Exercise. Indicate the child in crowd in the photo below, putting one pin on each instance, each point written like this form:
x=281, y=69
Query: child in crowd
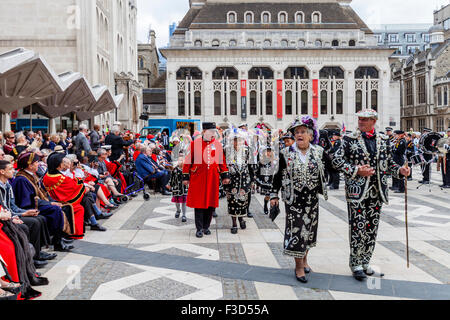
x=179, y=190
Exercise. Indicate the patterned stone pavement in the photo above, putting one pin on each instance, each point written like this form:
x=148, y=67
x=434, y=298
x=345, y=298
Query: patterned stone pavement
x=147, y=254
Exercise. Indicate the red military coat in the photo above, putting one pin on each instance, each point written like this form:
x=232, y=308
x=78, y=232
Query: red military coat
x=203, y=166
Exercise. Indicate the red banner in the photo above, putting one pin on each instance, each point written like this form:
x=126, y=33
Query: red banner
x=14, y=115
x=243, y=88
x=280, y=99
x=315, y=99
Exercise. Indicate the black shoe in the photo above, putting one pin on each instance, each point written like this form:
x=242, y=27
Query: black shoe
x=98, y=227
x=250, y=215
x=40, y=264
x=63, y=247
x=359, y=275
x=393, y=189
x=301, y=279
x=410, y=179
x=334, y=188
x=39, y=281
x=183, y=219
x=399, y=191
x=165, y=193
x=199, y=234
x=308, y=270
x=177, y=215
x=31, y=294
x=266, y=210
x=234, y=230
x=207, y=232
x=46, y=256
x=215, y=215
x=369, y=272
x=424, y=182
x=68, y=241
x=446, y=187
x=243, y=224
x=13, y=288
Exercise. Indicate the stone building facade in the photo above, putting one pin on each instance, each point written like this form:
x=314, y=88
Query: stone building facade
x=424, y=79
x=148, y=61
x=269, y=61
x=94, y=37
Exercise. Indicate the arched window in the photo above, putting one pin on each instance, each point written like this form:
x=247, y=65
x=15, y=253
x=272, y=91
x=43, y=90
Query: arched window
x=316, y=17
x=265, y=17
x=299, y=17
x=318, y=43
x=323, y=102
x=198, y=43
x=232, y=17
x=288, y=102
x=269, y=103
x=358, y=101
x=233, y=43
x=374, y=100
x=301, y=43
x=217, y=103
x=335, y=43
x=141, y=63
x=267, y=43
x=197, y=103
x=225, y=72
x=330, y=72
x=284, y=43
x=253, y=108
x=296, y=72
x=215, y=43
x=249, y=17
x=282, y=17
x=304, y=102
x=189, y=72
x=181, y=104
x=233, y=103
x=352, y=43
x=260, y=72
x=367, y=72
x=250, y=43
x=339, y=102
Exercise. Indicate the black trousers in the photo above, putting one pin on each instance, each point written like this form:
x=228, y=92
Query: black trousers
x=446, y=176
x=37, y=232
x=87, y=203
x=334, y=180
x=426, y=168
x=203, y=218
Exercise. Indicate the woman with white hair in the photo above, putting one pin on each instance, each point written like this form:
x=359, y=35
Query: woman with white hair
x=301, y=178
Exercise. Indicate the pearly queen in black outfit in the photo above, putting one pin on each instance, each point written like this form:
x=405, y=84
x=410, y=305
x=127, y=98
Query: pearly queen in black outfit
x=365, y=195
x=265, y=170
x=237, y=155
x=301, y=179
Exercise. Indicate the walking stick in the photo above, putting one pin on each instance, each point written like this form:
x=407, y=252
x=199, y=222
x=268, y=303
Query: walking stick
x=406, y=217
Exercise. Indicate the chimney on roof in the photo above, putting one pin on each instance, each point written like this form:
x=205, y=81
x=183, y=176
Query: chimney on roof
x=152, y=37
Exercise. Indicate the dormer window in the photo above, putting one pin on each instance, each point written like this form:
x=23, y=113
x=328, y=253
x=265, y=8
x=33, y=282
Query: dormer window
x=282, y=17
x=198, y=43
x=352, y=43
x=267, y=43
x=316, y=17
x=318, y=43
x=299, y=17
x=265, y=17
x=233, y=43
x=215, y=43
x=284, y=43
x=249, y=17
x=231, y=17
x=335, y=43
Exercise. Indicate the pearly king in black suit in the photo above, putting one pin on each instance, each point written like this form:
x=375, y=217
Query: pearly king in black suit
x=365, y=195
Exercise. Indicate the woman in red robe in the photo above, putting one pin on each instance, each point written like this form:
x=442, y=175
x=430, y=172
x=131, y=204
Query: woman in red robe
x=65, y=190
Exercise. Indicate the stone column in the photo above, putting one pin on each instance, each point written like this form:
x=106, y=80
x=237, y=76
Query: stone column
x=6, y=122
x=52, y=126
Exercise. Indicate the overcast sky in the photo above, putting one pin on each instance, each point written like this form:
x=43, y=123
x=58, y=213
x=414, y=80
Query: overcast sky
x=159, y=14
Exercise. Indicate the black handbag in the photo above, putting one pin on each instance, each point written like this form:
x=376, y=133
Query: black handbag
x=274, y=212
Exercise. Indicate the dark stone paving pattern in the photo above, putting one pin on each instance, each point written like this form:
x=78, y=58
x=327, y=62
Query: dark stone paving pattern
x=441, y=244
x=136, y=221
x=159, y=289
x=96, y=272
x=430, y=266
x=227, y=270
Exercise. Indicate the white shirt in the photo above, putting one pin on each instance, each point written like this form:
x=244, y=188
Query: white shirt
x=303, y=157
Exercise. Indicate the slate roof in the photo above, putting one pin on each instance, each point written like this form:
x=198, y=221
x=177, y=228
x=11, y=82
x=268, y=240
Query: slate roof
x=214, y=16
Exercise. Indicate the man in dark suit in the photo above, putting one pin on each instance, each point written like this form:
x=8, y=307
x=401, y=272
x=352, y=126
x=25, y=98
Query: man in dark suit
x=335, y=145
x=149, y=169
x=399, y=155
x=117, y=143
x=426, y=168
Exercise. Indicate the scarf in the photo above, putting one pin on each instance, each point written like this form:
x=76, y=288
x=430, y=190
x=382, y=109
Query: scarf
x=369, y=134
x=35, y=183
